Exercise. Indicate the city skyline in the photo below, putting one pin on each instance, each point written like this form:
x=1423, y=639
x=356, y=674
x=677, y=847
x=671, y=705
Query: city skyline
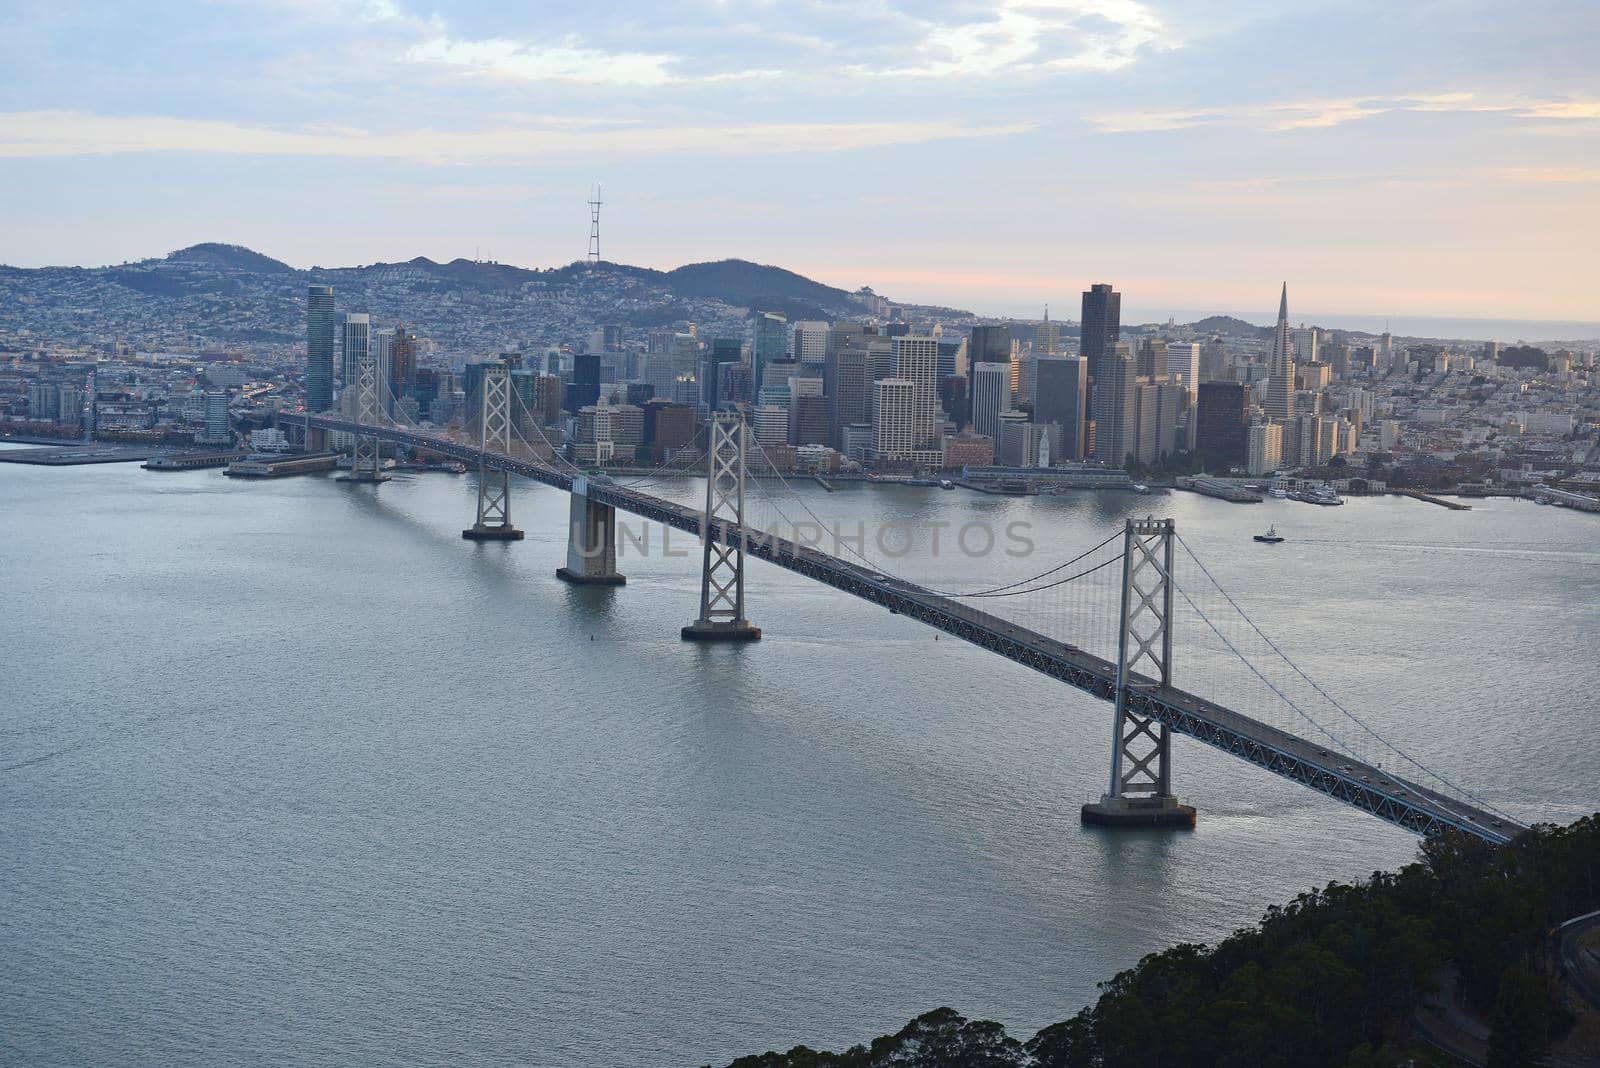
x=1105, y=139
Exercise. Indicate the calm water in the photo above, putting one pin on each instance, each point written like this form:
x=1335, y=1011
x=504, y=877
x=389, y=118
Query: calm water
x=291, y=774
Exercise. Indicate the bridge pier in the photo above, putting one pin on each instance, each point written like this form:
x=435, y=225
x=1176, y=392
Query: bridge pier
x=722, y=563
x=366, y=461
x=591, y=541
x=1140, y=793
x=494, y=484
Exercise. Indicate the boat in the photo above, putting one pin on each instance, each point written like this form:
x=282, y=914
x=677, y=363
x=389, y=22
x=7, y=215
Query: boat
x=1541, y=499
x=1279, y=492
x=1271, y=537
x=945, y=483
x=1140, y=487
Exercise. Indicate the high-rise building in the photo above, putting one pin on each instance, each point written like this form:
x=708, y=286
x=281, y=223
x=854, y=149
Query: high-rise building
x=1158, y=403
x=733, y=385
x=1100, y=329
x=810, y=342
x=989, y=344
x=894, y=412
x=848, y=387
x=584, y=389
x=1280, y=367
x=1060, y=398
x=354, y=339
x=320, y=329
x=769, y=342
x=216, y=431
x=1116, y=406
x=1223, y=429
x=1183, y=361
x=44, y=401
x=808, y=414
x=402, y=365
x=1307, y=342
x=1213, y=360
x=991, y=395
x=1152, y=357
x=1047, y=341
x=1266, y=448
x=724, y=350
x=916, y=360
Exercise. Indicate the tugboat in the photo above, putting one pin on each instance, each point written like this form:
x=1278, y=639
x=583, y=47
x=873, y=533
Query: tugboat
x=1271, y=537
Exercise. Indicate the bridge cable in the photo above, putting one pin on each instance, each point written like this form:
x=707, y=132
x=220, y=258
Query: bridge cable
x=1329, y=697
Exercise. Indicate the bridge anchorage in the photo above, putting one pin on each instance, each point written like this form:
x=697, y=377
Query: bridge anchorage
x=366, y=460
x=1140, y=793
x=494, y=483
x=722, y=562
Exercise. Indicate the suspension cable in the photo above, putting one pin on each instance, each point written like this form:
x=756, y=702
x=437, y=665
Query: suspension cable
x=1407, y=757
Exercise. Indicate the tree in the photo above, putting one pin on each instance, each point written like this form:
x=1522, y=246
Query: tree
x=1522, y=1019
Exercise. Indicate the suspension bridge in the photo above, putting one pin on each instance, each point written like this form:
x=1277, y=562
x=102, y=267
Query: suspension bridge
x=1103, y=621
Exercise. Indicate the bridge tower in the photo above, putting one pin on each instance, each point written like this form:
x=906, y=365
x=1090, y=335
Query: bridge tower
x=366, y=461
x=1140, y=791
x=722, y=564
x=494, y=484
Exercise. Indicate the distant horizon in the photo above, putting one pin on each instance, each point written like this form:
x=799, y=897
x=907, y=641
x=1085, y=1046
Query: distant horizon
x=1423, y=324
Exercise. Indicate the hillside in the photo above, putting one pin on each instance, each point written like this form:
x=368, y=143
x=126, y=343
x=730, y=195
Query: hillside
x=1333, y=979
x=215, y=295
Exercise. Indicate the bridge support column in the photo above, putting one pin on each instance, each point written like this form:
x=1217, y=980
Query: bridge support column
x=591, y=541
x=494, y=484
x=722, y=564
x=312, y=438
x=1140, y=793
x=366, y=463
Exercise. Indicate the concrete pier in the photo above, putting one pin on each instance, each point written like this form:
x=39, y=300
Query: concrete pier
x=1138, y=812
x=736, y=631
x=591, y=541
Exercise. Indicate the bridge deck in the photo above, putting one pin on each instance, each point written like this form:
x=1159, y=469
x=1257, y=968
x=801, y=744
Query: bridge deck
x=1344, y=778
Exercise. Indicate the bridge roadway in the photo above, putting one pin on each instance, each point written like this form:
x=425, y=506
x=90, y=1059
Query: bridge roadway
x=1360, y=785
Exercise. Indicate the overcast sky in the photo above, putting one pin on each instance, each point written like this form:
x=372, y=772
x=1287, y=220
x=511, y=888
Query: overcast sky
x=1411, y=157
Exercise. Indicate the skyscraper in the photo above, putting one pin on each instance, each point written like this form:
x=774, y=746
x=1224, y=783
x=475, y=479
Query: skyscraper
x=1116, y=406
x=1280, y=369
x=402, y=365
x=1100, y=329
x=357, y=328
x=1224, y=421
x=849, y=389
x=1153, y=357
x=991, y=395
x=989, y=344
x=810, y=342
x=319, y=348
x=916, y=360
x=1060, y=398
x=724, y=350
x=893, y=419
x=769, y=342
x=1047, y=342
x=584, y=389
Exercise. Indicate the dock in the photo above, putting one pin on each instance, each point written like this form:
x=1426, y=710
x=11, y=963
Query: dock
x=1418, y=495
x=76, y=455
x=280, y=466
x=188, y=461
x=1223, y=491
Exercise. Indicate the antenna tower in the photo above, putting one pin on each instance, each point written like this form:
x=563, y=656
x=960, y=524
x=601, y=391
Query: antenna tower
x=594, y=226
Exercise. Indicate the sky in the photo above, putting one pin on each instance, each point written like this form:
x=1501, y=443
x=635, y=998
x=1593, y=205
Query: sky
x=1435, y=157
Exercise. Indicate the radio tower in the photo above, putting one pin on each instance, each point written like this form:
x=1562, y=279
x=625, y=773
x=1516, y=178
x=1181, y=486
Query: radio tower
x=594, y=226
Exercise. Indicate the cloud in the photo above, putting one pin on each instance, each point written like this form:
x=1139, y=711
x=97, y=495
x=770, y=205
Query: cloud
x=1326, y=113
x=1014, y=37
x=66, y=133
x=568, y=61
